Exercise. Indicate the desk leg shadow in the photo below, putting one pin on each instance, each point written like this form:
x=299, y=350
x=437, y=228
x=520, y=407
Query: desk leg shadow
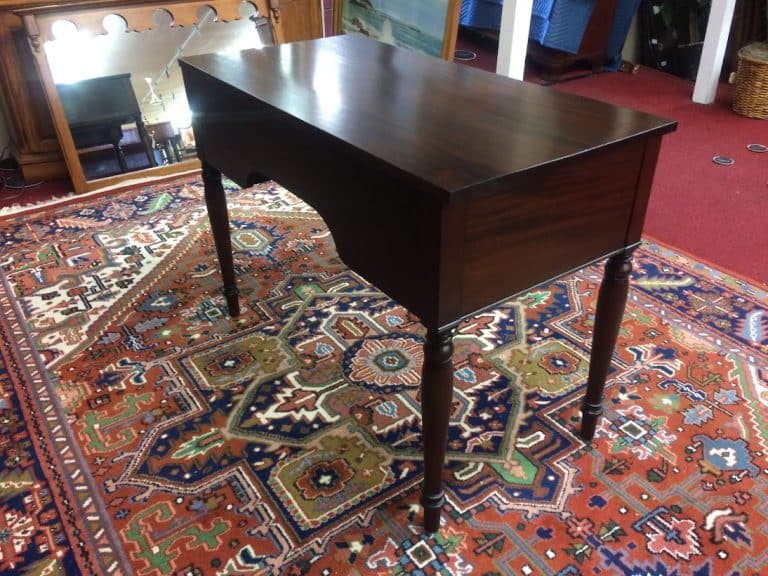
x=611, y=301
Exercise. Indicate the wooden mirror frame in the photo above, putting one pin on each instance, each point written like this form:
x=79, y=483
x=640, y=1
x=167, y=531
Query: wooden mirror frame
x=139, y=17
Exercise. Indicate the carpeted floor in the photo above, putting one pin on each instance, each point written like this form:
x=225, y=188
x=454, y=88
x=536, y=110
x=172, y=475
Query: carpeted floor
x=144, y=432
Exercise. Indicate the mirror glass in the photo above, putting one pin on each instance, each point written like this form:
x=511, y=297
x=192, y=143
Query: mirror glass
x=123, y=93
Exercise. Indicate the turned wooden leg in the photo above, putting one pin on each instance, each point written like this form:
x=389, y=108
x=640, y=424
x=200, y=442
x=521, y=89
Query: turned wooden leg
x=216, y=202
x=436, y=397
x=610, y=310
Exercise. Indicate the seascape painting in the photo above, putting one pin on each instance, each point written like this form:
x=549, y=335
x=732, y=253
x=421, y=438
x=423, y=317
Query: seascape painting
x=415, y=24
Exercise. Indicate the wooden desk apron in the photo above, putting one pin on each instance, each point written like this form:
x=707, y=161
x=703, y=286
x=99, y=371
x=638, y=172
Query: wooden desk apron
x=447, y=187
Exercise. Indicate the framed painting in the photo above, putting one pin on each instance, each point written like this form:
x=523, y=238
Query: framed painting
x=429, y=26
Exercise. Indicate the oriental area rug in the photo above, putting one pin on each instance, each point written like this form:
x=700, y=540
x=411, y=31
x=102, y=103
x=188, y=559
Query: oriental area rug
x=143, y=431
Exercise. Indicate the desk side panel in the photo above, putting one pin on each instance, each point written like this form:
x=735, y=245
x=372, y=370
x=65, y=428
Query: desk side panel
x=644, y=183
x=543, y=223
x=385, y=226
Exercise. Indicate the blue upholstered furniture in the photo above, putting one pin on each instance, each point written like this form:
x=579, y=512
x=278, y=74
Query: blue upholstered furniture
x=557, y=24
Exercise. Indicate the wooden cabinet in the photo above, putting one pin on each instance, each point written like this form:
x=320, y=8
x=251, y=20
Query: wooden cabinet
x=34, y=141
x=301, y=19
x=33, y=137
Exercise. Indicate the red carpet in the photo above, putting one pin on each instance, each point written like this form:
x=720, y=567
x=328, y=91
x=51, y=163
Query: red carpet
x=144, y=432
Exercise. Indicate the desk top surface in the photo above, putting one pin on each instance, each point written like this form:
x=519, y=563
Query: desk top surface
x=452, y=126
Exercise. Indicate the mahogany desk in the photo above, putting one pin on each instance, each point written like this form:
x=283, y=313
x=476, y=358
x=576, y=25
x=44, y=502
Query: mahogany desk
x=447, y=187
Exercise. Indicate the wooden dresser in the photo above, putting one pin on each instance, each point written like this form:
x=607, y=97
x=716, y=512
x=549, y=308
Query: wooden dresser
x=34, y=143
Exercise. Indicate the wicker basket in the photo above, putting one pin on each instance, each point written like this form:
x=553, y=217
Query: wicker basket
x=751, y=98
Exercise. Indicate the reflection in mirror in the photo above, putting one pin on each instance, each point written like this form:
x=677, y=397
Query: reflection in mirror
x=122, y=92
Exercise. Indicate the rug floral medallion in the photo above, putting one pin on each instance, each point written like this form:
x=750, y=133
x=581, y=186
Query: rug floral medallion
x=143, y=431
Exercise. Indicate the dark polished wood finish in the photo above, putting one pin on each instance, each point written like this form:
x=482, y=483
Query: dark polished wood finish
x=216, y=204
x=486, y=186
x=437, y=393
x=610, y=309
